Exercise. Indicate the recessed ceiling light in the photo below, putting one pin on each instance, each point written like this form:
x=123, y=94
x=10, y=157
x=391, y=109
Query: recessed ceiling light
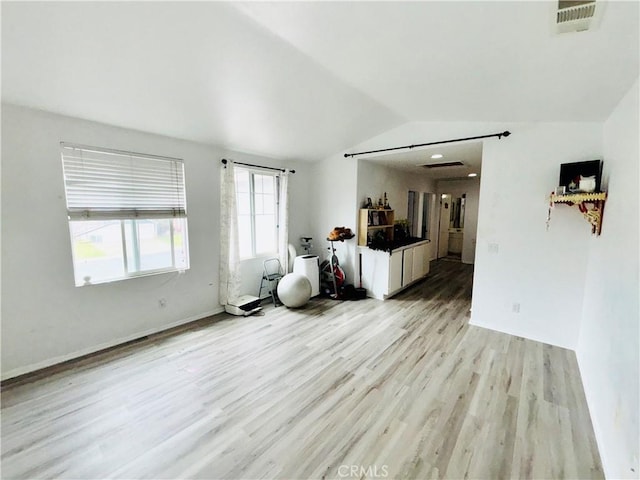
x=473, y=174
x=436, y=155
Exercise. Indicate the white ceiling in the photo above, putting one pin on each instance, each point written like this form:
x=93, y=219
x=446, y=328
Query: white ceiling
x=304, y=80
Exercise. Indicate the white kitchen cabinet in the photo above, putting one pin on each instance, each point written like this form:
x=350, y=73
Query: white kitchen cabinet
x=407, y=266
x=395, y=273
x=417, y=270
x=384, y=274
x=426, y=265
x=421, y=260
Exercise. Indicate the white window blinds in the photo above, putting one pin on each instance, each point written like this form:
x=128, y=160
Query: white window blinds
x=104, y=184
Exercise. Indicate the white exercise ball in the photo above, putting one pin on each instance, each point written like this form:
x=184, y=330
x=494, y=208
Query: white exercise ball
x=294, y=290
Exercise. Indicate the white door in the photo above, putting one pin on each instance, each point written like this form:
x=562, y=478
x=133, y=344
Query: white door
x=443, y=236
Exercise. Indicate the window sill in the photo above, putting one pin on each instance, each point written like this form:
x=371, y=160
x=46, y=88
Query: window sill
x=149, y=273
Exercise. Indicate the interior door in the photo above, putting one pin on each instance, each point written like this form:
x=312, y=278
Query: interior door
x=443, y=235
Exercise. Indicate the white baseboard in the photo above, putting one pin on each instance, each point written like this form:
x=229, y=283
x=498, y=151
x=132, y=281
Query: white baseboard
x=103, y=346
x=516, y=333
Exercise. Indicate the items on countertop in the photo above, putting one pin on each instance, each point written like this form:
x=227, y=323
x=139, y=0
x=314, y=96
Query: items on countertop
x=401, y=237
x=401, y=230
x=379, y=242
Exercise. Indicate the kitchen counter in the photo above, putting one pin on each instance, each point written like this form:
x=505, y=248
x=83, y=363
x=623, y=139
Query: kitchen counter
x=397, y=245
x=386, y=272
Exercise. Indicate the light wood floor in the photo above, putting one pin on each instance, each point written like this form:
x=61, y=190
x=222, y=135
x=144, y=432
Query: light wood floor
x=396, y=389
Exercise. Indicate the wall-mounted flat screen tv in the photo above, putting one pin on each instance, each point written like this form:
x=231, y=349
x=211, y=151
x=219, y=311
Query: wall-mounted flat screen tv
x=581, y=176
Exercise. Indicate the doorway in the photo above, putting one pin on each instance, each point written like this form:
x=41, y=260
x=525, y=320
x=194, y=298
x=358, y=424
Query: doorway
x=451, y=226
x=420, y=212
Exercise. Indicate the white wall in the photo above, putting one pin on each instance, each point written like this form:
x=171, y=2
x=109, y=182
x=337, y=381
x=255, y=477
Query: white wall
x=45, y=318
x=542, y=271
x=334, y=204
x=456, y=188
x=609, y=335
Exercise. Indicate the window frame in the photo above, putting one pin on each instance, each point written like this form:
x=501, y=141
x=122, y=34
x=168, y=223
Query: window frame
x=252, y=172
x=136, y=271
x=128, y=219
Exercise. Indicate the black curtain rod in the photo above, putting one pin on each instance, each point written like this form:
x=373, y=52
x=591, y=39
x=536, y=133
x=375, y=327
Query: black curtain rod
x=224, y=162
x=499, y=135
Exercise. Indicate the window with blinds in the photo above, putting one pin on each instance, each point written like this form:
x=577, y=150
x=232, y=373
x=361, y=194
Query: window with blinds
x=127, y=213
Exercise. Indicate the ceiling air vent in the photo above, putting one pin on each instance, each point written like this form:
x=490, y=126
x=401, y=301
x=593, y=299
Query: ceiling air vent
x=445, y=164
x=577, y=16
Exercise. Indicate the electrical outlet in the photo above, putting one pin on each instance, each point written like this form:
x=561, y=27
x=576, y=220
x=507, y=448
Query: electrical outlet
x=162, y=303
x=515, y=308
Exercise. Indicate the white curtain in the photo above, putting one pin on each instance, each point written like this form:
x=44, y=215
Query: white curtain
x=283, y=219
x=229, y=257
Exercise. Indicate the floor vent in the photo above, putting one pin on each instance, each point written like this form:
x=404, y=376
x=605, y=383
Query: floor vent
x=442, y=165
x=577, y=16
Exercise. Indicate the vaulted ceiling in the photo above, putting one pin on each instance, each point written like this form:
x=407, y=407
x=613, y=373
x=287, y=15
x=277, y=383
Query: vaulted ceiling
x=305, y=80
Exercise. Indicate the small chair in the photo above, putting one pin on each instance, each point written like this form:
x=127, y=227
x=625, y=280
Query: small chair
x=271, y=275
